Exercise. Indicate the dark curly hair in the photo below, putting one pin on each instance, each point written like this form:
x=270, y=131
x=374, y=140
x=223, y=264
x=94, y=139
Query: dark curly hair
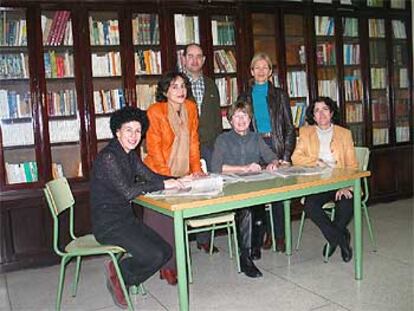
x=165, y=82
x=128, y=114
x=328, y=102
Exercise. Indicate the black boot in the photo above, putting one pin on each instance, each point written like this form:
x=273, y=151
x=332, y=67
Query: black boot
x=247, y=266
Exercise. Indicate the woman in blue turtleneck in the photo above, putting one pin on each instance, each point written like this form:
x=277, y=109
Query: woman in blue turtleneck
x=273, y=120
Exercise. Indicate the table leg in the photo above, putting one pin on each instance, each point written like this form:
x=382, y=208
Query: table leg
x=180, y=259
x=288, y=231
x=358, y=230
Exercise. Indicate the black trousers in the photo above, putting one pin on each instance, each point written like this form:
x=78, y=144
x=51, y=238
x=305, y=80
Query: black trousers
x=244, y=230
x=149, y=252
x=333, y=231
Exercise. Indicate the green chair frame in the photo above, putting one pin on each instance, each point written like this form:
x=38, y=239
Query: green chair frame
x=362, y=154
x=268, y=208
x=212, y=223
x=59, y=198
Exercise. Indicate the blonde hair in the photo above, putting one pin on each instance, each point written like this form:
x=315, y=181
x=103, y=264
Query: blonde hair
x=261, y=56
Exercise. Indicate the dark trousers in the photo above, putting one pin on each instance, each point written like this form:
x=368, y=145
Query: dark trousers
x=206, y=152
x=261, y=223
x=149, y=252
x=333, y=231
x=244, y=229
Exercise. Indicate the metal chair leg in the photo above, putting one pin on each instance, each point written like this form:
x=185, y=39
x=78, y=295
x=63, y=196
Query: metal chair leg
x=76, y=279
x=302, y=223
x=121, y=280
x=370, y=231
x=187, y=246
x=63, y=263
x=229, y=240
x=236, y=246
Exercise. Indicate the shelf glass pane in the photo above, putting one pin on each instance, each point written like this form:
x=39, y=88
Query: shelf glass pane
x=401, y=82
x=16, y=119
x=380, y=110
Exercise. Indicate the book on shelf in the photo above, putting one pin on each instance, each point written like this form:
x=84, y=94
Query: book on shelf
x=145, y=29
x=106, y=64
x=228, y=90
x=18, y=134
x=350, y=26
x=223, y=32
x=61, y=103
x=380, y=136
x=353, y=86
x=14, y=66
x=376, y=28
x=400, y=55
x=14, y=104
x=103, y=130
x=13, y=31
x=354, y=113
x=325, y=54
x=58, y=65
x=402, y=133
x=378, y=78
x=103, y=32
x=298, y=114
x=324, y=26
x=64, y=131
x=398, y=4
x=224, y=61
x=186, y=29
x=398, y=29
x=107, y=101
x=351, y=54
x=403, y=78
x=357, y=135
x=379, y=109
x=211, y=185
x=377, y=53
x=55, y=29
x=327, y=88
x=147, y=62
x=297, y=83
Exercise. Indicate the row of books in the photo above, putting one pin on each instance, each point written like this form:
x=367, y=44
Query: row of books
x=103, y=32
x=145, y=95
x=64, y=131
x=13, y=32
x=353, y=87
x=106, y=64
x=298, y=114
x=354, y=113
x=350, y=27
x=14, y=66
x=398, y=29
x=327, y=88
x=403, y=78
x=103, y=130
x=145, y=29
x=380, y=136
x=398, y=4
x=228, y=90
x=58, y=65
x=61, y=103
x=378, y=78
x=57, y=30
x=295, y=54
x=17, y=133
x=325, y=54
x=297, y=84
x=324, y=26
x=223, y=32
x=351, y=54
x=147, y=62
x=224, y=61
x=379, y=109
x=400, y=55
x=375, y=3
x=23, y=172
x=14, y=104
x=376, y=28
x=106, y=101
x=402, y=133
x=186, y=29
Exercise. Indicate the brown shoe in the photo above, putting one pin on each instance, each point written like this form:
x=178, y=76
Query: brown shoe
x=268, y=242
x=114, y=286
x=170, y=275
x=280, y=245
x=206, y=247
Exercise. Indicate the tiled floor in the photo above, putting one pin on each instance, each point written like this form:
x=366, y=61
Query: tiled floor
x=302, y=282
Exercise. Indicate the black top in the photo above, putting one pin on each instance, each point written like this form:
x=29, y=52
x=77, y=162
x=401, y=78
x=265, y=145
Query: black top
x=117, y=178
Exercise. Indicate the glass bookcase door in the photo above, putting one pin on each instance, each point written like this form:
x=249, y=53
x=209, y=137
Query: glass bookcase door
x=354, y=108
x=225, y=61
x=380, y=111
x=16, y=113
x=297, y=84
x=265, y=40
x=61, y=96
x=398, y=4
x=186, y=30
x=375, y=3
x=326, y=56
x=108, y=89
x=401, y=81
x=147, y=56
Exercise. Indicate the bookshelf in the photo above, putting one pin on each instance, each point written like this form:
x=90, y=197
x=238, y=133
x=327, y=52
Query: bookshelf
x=224, y=43
x=352, y=79
x=59, y=85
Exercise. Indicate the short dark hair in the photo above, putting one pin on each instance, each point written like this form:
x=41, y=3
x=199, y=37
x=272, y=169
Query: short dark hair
x=239, y=105
x=192, y=44
x=328, y=102
x=128, y=114
x=165, y=82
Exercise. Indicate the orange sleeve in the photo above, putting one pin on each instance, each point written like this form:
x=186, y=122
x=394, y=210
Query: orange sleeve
x=155, y=158
x=302, y=156
x=350, y=155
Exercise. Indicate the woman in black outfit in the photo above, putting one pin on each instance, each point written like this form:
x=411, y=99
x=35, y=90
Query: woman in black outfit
x=118, y=176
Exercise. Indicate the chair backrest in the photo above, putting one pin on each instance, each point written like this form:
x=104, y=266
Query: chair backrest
x=362, y=154
x=58, y=195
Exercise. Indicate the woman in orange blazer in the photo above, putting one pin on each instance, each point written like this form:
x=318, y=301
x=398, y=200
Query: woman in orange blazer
x=172, y=148
x=325, y=144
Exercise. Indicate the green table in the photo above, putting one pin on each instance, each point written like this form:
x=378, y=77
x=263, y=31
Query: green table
x=243, y=194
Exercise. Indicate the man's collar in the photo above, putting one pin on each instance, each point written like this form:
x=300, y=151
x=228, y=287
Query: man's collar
x=190, y=77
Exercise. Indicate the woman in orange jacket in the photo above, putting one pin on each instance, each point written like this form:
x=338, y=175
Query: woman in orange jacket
x=172, y=147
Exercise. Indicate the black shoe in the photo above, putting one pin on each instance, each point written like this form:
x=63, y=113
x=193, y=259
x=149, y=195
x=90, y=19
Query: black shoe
x=331, y=250
x=256, y=253
x=346, y=250
x=248, y=268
